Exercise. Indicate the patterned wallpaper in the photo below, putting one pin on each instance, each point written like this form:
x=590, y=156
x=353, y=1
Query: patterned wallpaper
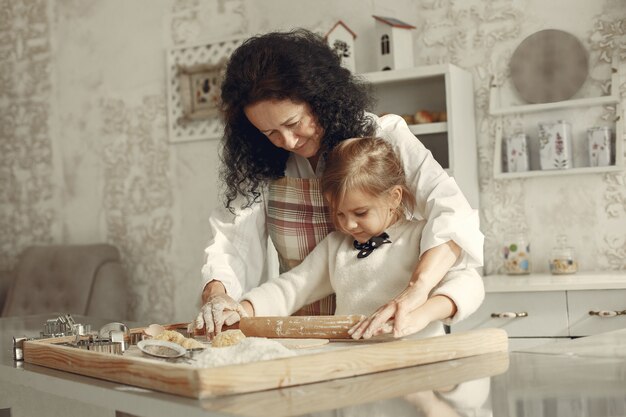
x=481, y=36
x=138, y=200
x=27, y=211
x=84, y=153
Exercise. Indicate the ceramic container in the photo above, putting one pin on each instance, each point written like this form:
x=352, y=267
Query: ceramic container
x=599, y=142
x=555, y=145
x=517, y=153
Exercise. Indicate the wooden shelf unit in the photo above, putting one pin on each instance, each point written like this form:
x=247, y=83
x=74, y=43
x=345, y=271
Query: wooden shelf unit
x=436, y=88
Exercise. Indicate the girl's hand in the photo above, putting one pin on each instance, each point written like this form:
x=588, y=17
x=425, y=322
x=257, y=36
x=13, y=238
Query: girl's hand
x=219, y=310
x=436, y=308
x=401, y=309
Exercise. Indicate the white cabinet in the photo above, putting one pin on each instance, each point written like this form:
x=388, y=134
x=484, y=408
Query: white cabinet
x=522, y=314
x=569, y=110
x=437, y=88
x=596, y=311
x=542, y=308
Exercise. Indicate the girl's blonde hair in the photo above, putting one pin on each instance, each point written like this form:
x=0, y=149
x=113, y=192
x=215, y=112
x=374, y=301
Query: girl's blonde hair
x=368, y=165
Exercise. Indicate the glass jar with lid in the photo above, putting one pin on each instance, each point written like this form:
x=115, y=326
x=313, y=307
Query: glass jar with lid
x=516, y=252
x=563, y=258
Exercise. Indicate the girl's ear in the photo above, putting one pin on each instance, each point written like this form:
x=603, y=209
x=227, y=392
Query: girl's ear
x=396, y=196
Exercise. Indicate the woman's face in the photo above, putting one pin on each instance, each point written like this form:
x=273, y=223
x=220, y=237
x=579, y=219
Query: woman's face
x=288, y=125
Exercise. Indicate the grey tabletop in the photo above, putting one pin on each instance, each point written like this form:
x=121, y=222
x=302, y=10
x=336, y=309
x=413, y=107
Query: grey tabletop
x=583, y=377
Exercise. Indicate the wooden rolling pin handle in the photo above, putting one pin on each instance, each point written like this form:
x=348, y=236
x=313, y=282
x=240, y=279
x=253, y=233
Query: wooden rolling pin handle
x=300, y=327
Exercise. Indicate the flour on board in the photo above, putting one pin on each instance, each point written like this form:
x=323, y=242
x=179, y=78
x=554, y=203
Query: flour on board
x=250, y=349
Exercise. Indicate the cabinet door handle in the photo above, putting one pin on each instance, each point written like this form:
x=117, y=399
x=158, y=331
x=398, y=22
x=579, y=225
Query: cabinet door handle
x=509, y=315
x=607, y=313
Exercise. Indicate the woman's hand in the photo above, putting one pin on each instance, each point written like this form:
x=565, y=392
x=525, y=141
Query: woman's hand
x=218, y=309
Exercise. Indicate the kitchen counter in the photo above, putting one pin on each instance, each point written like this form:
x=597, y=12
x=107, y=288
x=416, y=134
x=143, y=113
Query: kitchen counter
x=584, y=377
x=583, y=280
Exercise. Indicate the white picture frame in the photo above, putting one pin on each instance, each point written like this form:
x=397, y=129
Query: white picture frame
x=193, y=111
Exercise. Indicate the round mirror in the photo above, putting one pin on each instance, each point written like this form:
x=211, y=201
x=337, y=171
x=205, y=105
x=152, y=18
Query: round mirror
x=548, y=66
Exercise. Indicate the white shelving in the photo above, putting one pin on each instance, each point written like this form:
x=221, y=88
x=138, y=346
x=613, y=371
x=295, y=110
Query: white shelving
x=530, y=108
x=429, y=128
x=612, y=99
x=437, y=88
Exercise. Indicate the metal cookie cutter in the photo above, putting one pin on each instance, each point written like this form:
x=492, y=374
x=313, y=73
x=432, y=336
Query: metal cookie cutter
x=96, y=344
x=18, y=347
x=116, y=333
x=112, y=338
x=64, y=325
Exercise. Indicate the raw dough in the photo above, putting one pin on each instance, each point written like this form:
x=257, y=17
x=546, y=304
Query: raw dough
x=228, y=338
x=190, y=343
x=170, y=336
x=179, y=339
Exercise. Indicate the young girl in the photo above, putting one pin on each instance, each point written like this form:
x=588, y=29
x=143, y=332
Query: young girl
x=370, y=257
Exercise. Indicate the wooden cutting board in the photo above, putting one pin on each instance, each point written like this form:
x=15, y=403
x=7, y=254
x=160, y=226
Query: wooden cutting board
x=189, y=381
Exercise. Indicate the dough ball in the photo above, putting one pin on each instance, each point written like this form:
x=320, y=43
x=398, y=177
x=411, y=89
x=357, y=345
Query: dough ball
x=170, y=336
x=179, y=339
x=190, y=343
x=228, y=338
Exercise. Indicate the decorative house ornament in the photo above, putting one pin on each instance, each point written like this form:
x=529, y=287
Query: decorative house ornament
x=341, y=39
x=395, y=43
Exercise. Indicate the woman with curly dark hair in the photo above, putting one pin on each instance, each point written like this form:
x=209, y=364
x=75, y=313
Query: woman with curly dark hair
x=286, y=102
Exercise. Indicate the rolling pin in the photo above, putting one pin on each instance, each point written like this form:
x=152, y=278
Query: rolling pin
x=297, y=327
x=300, y=327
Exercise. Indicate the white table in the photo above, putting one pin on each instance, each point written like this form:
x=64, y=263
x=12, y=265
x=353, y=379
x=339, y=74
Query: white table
x=552, y=380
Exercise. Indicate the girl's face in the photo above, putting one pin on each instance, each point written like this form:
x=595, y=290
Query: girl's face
x=363, y=215
x=288, y=125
